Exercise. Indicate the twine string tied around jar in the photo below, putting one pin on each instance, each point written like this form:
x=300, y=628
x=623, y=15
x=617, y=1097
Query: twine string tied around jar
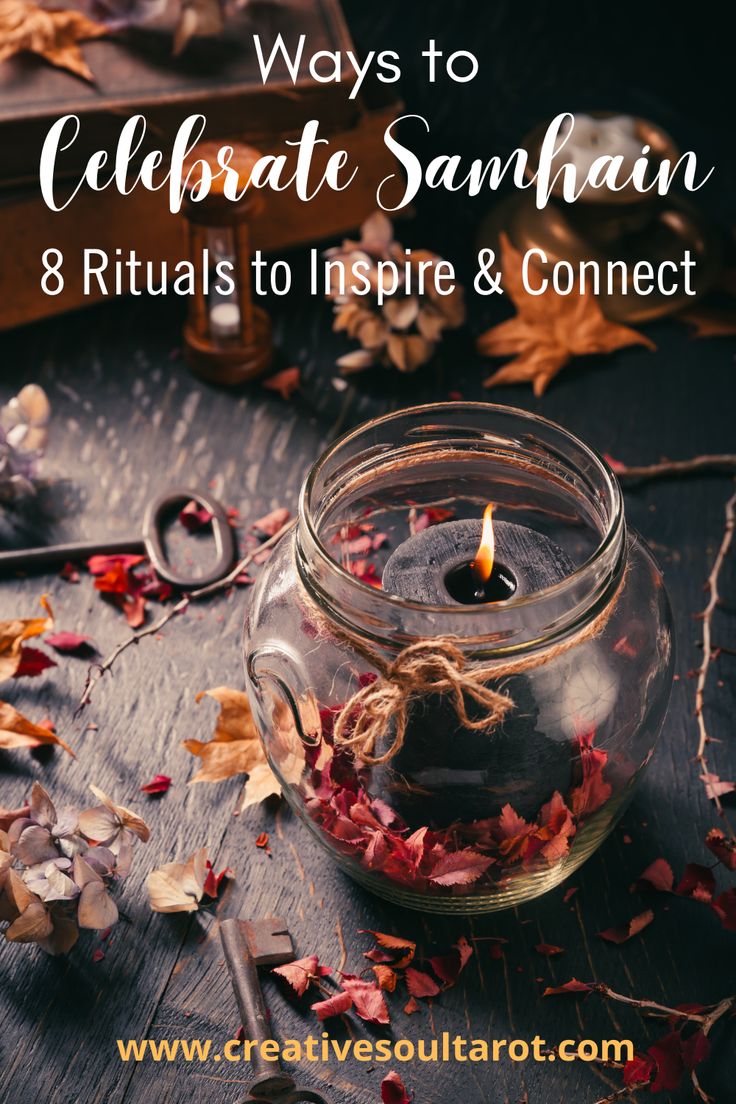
x=437, y=665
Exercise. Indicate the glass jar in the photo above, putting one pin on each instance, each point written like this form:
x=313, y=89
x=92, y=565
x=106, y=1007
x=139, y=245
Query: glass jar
x=462, y=818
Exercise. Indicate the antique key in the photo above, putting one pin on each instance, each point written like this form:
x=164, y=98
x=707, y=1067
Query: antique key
x=248, y=944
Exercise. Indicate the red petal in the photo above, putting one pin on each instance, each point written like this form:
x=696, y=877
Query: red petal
x=572, y=986
x=334, y=1006
x=368, y=1000
x=725, y=909
x=658, y=875
x=32, y=662
x=667, y=1054
x=393, y=1090
x=158, y=785
x=460, y=868
x=299, y=974
x=622, y=932
x=548, y=949
x=420, y=984
x=639, y=1070
x=724, y=849
x=194, y=517
x=697, y=881
x=69, y=643
x=270, y=524
x=285, y=382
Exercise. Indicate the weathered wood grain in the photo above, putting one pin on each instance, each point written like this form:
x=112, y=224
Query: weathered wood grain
x=128, y=419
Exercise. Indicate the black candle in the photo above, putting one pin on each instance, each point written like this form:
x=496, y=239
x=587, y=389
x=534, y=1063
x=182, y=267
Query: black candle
x=434, y=566
x=445, y=773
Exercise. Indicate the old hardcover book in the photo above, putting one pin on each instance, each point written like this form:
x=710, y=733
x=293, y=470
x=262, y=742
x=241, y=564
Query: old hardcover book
x=228, y=90
x=135, y=72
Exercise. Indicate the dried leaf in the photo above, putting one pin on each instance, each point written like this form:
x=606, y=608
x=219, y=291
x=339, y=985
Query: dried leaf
x=448, y=967
x=412, y=1006
x=285, y=383
x=106, y=820
x=176, y=886
x=69, y=643
x=302, y=973
x=14, y=633
x=393, y=1090
x=420, y=984
x=235, y=747
x=715, y=786
x=386, y=977
x=51, y=33
x=194, y=517
x=460, y=868
x=159, y=784
x=548, y=949
x=16, y=731
x=333, y=1006
x=548, y=330
x=269, y=525
x=725, y=909
x=658, y=875
x=368, y=1000
x=33, y=662
x=622, y=932
x=697, y=882
x=572, y=986
x=724, y=849
x=96, y=909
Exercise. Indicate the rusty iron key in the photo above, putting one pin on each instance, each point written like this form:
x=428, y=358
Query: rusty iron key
x=249, y=944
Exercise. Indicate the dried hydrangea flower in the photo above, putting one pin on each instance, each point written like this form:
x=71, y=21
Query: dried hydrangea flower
x=55, y=875
x=403, y=331
x=23, y=435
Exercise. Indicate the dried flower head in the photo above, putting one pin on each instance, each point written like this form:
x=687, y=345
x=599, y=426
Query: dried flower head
x=55, y=877
x=400, y=327
x=23, y=434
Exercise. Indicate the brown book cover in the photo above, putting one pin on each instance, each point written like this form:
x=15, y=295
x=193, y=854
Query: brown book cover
x=135, y=72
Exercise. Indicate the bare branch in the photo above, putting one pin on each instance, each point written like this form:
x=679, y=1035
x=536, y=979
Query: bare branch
x=704, y=739
x=723, y=462
x=97, y=670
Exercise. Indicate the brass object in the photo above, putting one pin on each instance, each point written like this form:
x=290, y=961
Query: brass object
x=227, y=339
x=611, y=226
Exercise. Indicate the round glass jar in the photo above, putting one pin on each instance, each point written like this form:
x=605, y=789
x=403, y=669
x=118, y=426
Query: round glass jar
x=461, y=817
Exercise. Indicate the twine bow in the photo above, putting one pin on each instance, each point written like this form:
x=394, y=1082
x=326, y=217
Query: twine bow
x=435, y=666
x=438, y=666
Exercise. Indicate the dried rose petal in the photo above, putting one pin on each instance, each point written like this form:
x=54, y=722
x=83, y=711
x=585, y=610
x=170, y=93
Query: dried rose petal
x=393, y=1090
x=69, y=643
x=622, y=932
x=159, y=784
x=32, y=662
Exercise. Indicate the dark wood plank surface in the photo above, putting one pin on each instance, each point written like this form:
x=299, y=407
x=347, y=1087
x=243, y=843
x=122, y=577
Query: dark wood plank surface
x=129, y=420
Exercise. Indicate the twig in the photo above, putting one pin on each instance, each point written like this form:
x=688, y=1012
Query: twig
x=723, y=462
x=706, y=1019
x=708, y=651
x=662, y=1009
x=97, y=670
x=621, y=1094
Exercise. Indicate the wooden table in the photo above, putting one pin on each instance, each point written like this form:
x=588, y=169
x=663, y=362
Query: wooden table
x=129, y=420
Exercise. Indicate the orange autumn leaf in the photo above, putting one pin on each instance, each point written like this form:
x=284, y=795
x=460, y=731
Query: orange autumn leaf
x=13, y=633
x=16, y=731
x=235, y=747
x=547, y=330
x=51, y=33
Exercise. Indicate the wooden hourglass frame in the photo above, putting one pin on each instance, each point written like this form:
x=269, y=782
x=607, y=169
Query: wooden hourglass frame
x=240, y=349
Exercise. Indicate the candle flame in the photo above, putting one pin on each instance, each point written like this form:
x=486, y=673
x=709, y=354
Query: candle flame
x=482, y=565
